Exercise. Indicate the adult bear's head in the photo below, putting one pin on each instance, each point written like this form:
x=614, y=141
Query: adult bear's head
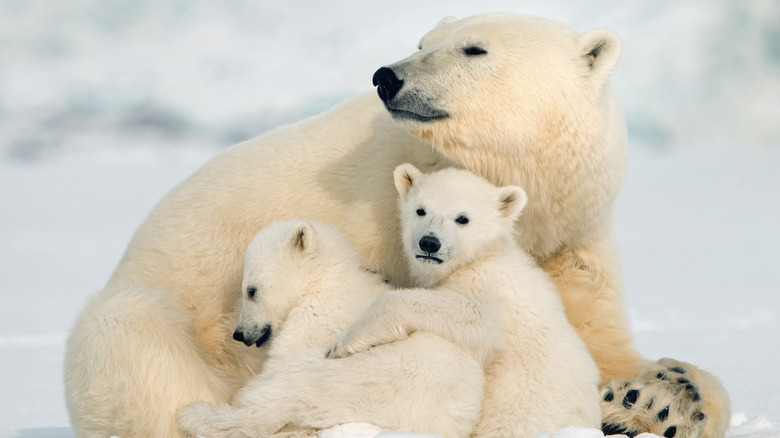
x=503, y=80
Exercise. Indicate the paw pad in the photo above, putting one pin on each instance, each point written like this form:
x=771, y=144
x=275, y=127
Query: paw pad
x=663, y=400
x=662, y=415
x=630, y=398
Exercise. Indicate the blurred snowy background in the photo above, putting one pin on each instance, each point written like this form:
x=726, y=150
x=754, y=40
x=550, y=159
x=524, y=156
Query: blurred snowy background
x=106, y=104
x=81, y=75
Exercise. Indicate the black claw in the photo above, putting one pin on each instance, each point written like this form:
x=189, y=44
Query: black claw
x=691, y=390
x=699, y=416
x=678, y=370
x=617, y=429
x=670, y=432
x=683, y=381
x=612, y=429
x=663, y=414
x=650, y=403
x=630, y=398
x=660, y=376
x=609, y=396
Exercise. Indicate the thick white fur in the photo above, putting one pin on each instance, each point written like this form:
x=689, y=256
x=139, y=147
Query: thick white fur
x=310, y=286
x=539, y=374
x=535, y=111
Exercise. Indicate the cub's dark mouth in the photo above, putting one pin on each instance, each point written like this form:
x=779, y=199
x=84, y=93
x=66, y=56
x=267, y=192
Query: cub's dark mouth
x=257, y=339
x=429, y=257
x=266, y=334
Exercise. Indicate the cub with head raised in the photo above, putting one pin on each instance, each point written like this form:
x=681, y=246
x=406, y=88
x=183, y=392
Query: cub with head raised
x=459, y=228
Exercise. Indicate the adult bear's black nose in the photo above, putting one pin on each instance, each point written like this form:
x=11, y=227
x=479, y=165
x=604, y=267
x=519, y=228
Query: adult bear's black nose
x=387, y=83
x=429, y=244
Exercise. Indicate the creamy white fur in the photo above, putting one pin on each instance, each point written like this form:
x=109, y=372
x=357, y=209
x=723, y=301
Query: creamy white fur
x=535, y=111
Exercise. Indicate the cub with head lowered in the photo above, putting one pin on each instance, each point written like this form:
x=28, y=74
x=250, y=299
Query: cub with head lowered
x=489, y=297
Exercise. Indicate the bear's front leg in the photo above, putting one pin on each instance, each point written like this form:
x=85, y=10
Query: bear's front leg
x=379, y=325
x=199, y=419
x=591, y=288
x=396, y=315
x=204, y=419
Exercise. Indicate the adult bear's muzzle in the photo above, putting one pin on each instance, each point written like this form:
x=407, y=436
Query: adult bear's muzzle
x=387, y=83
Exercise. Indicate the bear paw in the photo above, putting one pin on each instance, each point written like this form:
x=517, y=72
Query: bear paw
x=364, y=335
x=663, y=400
x=193, y=419
x=345, y=346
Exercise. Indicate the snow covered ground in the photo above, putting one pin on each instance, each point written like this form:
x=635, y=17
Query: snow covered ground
x=104, y=106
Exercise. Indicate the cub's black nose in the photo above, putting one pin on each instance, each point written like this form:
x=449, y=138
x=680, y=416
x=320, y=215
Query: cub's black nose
x=429, y=244
x=387, y=83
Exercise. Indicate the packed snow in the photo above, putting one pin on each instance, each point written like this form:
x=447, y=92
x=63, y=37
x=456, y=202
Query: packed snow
x=105, y=106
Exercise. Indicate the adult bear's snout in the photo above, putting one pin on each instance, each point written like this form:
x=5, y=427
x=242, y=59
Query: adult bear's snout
x=387, y=83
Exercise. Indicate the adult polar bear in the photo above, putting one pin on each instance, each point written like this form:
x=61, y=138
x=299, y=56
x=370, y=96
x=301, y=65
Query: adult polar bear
x=519, y=100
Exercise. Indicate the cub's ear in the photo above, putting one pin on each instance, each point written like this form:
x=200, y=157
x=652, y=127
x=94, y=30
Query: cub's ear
x=511, y=201
x=600, y=50
x=446, y=20
x=405, y=176
x=303, y=236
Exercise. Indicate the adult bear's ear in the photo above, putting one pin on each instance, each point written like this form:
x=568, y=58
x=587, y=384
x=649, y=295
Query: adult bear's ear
x=405, y=176
x=600, y=51
x=303, y=236
x=442, y=22
x=511, y=201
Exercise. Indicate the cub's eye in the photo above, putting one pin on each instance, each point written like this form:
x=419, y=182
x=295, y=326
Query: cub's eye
x=251, y=291
x=463, y=220
x=420, y=212
x=474, y=51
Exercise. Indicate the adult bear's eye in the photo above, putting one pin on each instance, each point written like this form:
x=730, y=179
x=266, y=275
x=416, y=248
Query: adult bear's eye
x=251, y=291
x=474, y=51
x=420, y=212
x=463, y=220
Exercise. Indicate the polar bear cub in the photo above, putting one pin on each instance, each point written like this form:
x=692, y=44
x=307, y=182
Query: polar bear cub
x=303, y=285
x=458, y=228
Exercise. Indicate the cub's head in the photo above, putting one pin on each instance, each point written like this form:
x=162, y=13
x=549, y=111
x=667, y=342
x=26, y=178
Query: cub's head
x=452, y=217
x=283, y=265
